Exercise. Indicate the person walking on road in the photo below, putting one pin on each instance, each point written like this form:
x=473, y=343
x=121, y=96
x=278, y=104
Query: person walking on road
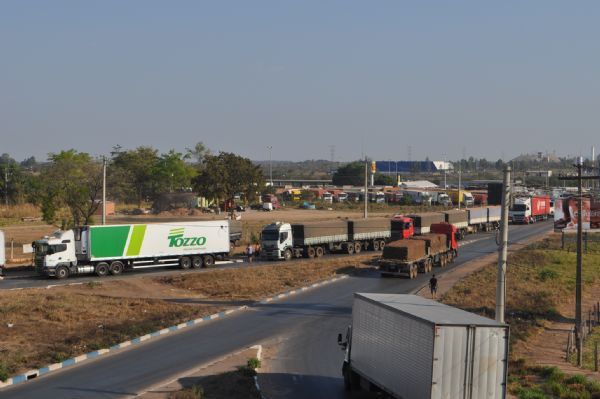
x=250, y=252
x=433, y=287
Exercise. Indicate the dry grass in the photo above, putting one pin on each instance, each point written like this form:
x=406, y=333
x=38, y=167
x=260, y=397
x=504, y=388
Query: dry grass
x=540, y=279
x=49, y=326
x=19, y=211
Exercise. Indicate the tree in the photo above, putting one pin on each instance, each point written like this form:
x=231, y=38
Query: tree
x=198, y=153
x=72, y=180
x=131, y=175
x=171, y=173
x=225, y=175
x=352, y=174
x=384, y=180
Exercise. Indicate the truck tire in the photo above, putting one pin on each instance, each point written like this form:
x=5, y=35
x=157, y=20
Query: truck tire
x=376, y=245
x=101, y=269
x=116, y=268
x=357, y=247
x=185, y=262
x=319, y=252
x=61, y=272
x=287, y=255
x=310, y=252
x=209, y=260
x=197, y=262
x=350, y=248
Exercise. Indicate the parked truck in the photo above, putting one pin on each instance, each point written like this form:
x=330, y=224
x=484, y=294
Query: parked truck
x=2, y=254
x=440, y=198
x=463, y=197
x=411, y=347
x=315, y=239
x=420, y=253
x=270, y=202
x=113, y=249
x=529, y=209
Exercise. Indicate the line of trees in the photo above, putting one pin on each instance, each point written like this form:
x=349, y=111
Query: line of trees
x=68, y=187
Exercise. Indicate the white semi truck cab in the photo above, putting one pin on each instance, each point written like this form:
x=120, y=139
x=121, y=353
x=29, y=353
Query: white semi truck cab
x=54, y=251
x=277, y=241
x=520, y=212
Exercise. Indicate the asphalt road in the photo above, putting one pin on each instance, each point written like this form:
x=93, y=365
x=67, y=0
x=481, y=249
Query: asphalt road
x=309, y=361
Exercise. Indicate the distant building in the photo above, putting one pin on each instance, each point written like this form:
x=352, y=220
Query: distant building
x=412, y=166
x=539, y=173
x=418, y=184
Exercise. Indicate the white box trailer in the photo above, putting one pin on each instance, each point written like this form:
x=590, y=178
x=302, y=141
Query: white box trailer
x=115, y=248
x=412, y=347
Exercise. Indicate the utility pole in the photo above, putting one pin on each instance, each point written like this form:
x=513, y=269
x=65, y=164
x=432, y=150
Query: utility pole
x=459, y=182
x=578, y=276
x=366, y=196
x=103, y=190
x=6, y=181
x=270, y=165
x=503, y=248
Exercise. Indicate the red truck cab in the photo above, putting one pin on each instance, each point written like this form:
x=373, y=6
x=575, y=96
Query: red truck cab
x=402, y=228
x=450, y=231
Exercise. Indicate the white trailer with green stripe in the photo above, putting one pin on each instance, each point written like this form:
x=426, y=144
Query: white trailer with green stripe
x=112, y=249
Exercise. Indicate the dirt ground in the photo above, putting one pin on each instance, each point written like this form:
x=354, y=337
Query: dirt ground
x=95, y=315
x=226, y=378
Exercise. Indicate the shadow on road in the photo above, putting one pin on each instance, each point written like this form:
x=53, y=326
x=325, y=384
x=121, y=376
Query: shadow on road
x=298, y=386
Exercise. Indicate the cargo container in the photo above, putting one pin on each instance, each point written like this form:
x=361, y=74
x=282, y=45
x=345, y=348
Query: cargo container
x=411, y=347
x=2, y=254
x=482, y=219
x=421, y=197
x=460, y=219
x=422, y=221
x=495, y=193
x=315, y=239
x=112, y=249
x=420, y=253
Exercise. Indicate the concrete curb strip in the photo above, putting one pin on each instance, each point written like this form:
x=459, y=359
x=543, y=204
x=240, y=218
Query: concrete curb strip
x=32, y=374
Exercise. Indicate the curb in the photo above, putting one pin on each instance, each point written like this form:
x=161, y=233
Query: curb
x=298, y=290
x=259, y=357
x=32, y=374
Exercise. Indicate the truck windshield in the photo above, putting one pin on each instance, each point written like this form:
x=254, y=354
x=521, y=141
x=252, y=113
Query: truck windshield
x=270, y=235
x=41, y=249
x=519, y=207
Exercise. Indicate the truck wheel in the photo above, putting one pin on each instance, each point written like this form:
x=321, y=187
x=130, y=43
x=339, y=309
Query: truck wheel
x=116, y=268
x=287, y=255
x=101, y=269
x=209, y=260
x=197, y=262
x=310, y=252
x=62, y=272
x=350, y=248
x=375, y=245
x=185, y=262
x=357, y=247
x=319, y=252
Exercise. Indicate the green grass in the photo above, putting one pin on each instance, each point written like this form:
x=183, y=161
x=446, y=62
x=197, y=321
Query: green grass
x=551, y=383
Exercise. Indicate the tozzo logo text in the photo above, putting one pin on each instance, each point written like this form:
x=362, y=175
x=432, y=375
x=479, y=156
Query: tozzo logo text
x=176, y=239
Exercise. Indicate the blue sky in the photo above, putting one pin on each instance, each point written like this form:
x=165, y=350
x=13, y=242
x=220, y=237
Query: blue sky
x=488, y=79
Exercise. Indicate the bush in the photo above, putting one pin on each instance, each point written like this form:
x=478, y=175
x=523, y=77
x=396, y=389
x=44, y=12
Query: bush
x=531, y=393
x=195, y=392
x=547, y=274
x=253, y=363
x=3, y=372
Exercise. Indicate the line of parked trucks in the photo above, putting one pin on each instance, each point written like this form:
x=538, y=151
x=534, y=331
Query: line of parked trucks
x=113, y=249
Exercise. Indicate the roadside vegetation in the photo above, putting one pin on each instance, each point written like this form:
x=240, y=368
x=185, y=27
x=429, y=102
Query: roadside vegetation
x=40, y=327
x=540, y=278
